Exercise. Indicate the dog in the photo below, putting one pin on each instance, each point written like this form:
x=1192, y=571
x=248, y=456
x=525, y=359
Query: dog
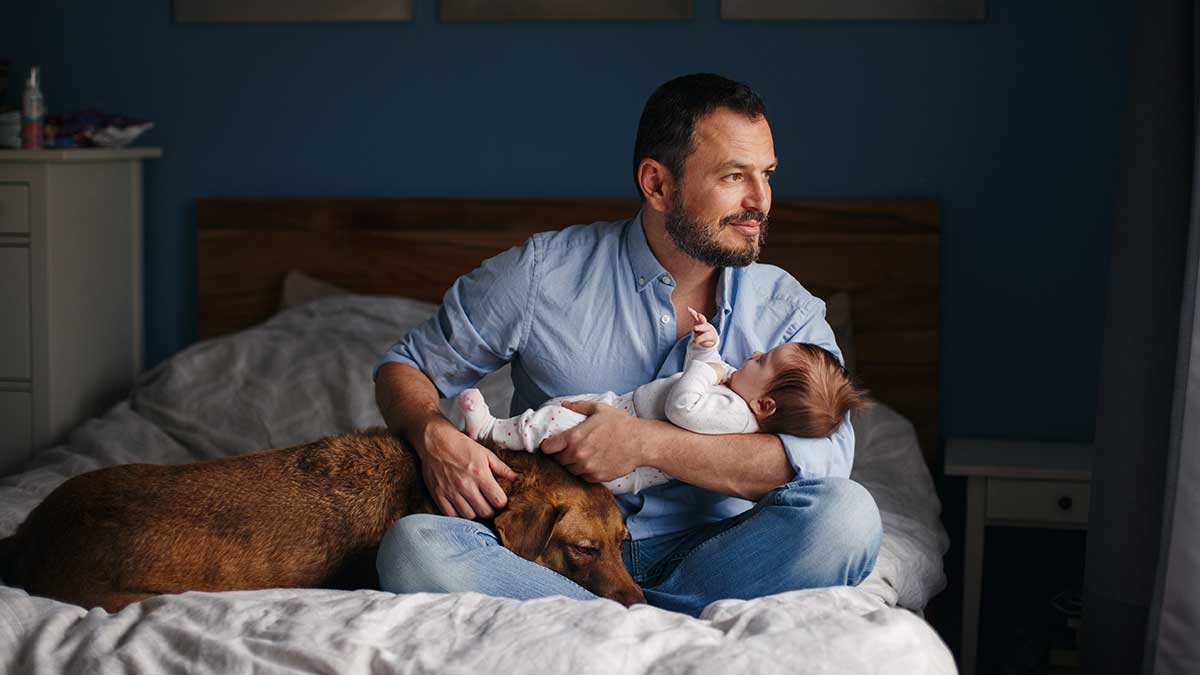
x=309, y=516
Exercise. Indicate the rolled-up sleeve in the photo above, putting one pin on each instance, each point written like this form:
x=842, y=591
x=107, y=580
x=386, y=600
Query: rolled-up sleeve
x=820, y=457
x=481, y=324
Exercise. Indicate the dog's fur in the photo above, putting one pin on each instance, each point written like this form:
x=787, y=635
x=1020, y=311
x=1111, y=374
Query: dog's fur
x=306, y=516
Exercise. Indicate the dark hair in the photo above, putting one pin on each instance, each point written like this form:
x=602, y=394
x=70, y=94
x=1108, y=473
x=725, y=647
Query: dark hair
x=812, y=395
x=665, y=130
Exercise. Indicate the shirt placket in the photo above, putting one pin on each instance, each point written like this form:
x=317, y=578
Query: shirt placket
x=664, y=286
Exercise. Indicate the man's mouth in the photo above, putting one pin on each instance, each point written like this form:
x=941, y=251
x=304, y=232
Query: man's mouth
x=749, y=228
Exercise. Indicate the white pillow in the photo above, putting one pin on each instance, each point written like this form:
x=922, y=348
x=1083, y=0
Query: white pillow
x=299, y=288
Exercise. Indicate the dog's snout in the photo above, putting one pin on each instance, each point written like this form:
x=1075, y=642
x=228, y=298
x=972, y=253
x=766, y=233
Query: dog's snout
x=630, y=596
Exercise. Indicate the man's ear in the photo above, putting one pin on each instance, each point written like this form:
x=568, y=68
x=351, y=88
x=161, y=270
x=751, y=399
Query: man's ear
x=655, y=181
x=764, y=407
x=525, y=527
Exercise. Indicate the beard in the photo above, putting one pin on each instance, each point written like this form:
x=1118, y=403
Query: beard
x=702, y=240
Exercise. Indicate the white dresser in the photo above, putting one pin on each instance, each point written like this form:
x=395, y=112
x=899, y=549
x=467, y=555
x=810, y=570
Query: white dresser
x=70, y=290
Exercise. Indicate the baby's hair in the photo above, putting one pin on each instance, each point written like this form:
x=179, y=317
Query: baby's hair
x=812, y=394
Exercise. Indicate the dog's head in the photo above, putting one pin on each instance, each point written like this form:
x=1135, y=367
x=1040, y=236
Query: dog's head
x=575, y=528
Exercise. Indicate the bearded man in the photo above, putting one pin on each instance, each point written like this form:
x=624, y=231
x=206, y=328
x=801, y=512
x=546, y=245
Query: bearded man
x=603, y=307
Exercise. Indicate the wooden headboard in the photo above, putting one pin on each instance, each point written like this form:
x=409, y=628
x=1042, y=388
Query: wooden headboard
x=884, y=253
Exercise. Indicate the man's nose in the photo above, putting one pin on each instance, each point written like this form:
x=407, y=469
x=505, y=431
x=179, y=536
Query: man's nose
x=758, y=195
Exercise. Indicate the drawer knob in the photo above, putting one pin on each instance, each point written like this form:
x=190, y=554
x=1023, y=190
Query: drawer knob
x=1064, y=503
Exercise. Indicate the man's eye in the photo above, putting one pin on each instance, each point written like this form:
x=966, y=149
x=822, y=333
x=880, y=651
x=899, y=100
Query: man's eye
x=734, y=177
x=768, y=174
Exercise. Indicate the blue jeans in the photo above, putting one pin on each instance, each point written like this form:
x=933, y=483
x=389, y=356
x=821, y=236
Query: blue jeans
x=804, y=534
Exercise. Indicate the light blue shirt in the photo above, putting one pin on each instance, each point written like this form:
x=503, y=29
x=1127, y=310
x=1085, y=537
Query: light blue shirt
x=588, y=309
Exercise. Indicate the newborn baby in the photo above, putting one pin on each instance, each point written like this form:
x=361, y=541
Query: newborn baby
x=797, y=389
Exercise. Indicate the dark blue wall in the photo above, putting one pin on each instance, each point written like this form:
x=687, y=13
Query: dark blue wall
x=1011, y=124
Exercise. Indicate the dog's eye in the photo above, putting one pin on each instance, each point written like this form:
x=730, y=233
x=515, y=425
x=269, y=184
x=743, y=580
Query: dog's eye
x=584, y=551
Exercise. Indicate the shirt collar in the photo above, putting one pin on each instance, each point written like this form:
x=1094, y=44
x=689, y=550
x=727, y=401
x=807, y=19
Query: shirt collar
x=644, y=267
x=725, y=289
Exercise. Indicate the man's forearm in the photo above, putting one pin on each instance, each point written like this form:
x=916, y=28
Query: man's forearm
x=740, y=465
x=408, y=402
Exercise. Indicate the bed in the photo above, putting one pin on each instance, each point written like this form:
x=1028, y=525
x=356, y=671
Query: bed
x=297, y=299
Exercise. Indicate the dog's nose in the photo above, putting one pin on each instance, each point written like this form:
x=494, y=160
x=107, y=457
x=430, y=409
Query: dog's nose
x=630, y=596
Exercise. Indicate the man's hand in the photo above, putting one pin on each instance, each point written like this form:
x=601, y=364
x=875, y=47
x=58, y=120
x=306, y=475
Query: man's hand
x=461, y=474
x=605, y=446
x=703, y=332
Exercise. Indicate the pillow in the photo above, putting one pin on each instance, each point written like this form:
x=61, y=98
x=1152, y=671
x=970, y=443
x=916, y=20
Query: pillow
x=837, y=314
x=299, y=288
x=300, y=375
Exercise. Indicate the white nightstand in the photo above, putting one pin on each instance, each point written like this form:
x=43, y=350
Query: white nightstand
x=1018, y=484
x=70, y=289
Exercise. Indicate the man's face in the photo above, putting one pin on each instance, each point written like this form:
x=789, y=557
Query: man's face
x=718, y=213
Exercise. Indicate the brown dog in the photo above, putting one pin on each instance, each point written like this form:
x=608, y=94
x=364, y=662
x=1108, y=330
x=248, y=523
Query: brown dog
x=306, y=517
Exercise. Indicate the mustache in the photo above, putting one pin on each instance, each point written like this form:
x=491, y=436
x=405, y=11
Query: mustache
x=749, y=215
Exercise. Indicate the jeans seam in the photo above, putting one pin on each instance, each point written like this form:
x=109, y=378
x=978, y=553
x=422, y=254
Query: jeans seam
x=633, y=559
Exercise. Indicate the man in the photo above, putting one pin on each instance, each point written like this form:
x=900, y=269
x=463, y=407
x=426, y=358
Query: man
x=603, y=307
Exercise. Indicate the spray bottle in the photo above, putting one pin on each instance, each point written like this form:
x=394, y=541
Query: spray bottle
x=33, y=113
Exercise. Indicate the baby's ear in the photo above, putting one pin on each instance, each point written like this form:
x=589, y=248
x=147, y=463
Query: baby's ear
x=763, y=407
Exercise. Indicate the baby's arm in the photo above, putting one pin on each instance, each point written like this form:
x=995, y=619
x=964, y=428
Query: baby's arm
x=698, y=403
x=703, y=345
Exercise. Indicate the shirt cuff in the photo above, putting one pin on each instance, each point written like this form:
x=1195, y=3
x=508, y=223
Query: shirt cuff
x=821, y=457
x=392, y=357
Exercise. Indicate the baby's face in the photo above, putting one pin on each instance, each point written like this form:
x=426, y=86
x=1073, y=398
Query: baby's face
x=753, y=379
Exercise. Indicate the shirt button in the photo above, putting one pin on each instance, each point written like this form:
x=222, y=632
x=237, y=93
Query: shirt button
x=666, y=318
x=642, y=280
x=666, y=280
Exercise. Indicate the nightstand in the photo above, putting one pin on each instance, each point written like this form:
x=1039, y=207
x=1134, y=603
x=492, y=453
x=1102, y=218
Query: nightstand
x=70, y=290
x=1017, y=484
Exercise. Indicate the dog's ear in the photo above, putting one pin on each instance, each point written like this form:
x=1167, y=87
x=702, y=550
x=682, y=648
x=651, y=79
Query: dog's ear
x=525, y=526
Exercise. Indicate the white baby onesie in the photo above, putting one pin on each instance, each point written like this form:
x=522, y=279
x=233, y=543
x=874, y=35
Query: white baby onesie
x=692, y=400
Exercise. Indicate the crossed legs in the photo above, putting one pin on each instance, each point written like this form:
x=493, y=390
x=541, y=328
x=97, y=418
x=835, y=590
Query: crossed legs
x=805, y=534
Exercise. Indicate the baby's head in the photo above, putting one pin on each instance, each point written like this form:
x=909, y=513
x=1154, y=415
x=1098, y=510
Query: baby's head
x=797, y=389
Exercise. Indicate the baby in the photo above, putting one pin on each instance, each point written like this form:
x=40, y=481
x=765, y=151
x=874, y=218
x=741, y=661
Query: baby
x=796, y=389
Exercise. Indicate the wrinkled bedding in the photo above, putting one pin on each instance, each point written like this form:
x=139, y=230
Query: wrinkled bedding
x=306, y=373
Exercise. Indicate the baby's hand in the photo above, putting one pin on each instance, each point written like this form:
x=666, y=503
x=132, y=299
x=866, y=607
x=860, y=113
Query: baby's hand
x=721, y=370
x=703, y=332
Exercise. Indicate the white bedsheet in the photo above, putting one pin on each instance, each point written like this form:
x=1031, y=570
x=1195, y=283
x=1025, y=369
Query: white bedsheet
x=305, y=374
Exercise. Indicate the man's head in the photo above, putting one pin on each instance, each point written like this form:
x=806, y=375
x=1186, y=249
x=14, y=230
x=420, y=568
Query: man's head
x=703, y=157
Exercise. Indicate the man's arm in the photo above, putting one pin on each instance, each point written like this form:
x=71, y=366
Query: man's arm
x=478, y=328
x=739, y=465
x=409, y=403
x=610, y=443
